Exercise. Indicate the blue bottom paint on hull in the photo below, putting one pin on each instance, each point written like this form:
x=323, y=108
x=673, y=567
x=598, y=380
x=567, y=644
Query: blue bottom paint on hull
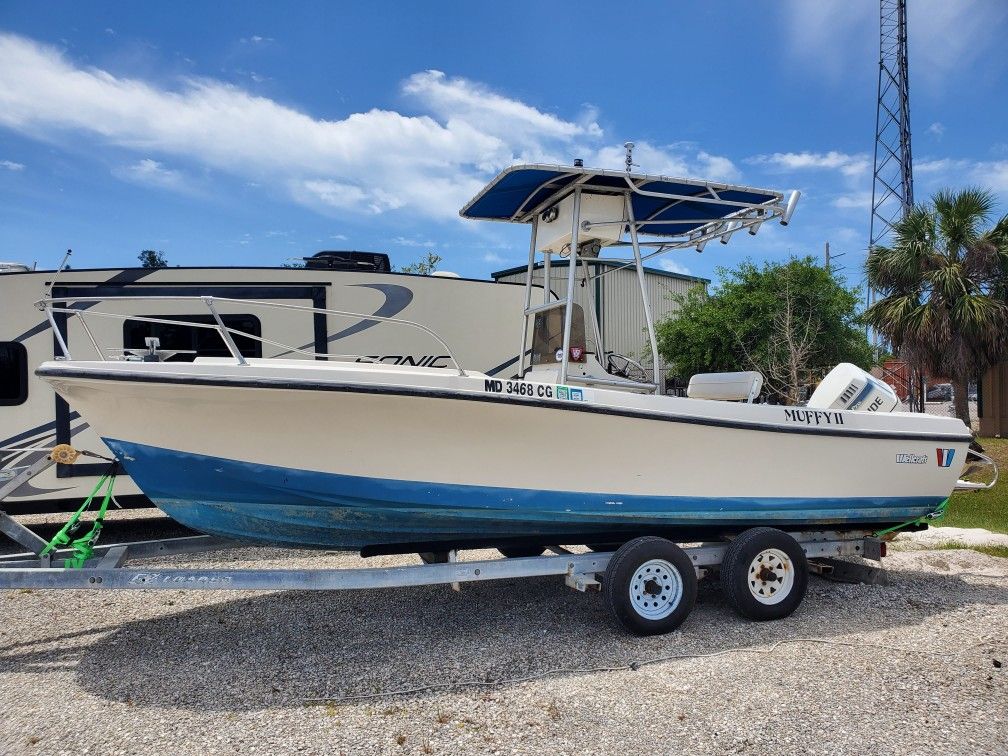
x=286, y=506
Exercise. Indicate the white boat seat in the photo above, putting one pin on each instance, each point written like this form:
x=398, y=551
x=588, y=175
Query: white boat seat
x=726, y=387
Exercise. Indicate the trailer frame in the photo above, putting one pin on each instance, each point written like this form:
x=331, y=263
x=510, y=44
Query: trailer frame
x=108, y=569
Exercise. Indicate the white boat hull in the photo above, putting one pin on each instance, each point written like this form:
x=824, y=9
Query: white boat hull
x=381, y=457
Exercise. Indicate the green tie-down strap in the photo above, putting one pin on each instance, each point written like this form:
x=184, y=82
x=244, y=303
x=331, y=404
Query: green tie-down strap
x=936, y=515
x=83, y=547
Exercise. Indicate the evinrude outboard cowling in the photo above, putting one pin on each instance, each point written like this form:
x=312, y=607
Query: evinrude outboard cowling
x=848, y=387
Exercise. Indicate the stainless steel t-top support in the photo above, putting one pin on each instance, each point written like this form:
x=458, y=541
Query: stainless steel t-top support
x=643, y=291
x=528, y=297
x=571, y=275
x=599, y=350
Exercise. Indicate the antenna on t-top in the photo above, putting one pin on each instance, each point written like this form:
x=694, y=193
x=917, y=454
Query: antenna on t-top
x=630, y=164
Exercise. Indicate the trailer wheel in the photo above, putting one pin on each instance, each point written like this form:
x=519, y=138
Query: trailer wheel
x=764, y=574
x=650, y=586
x=516, y=552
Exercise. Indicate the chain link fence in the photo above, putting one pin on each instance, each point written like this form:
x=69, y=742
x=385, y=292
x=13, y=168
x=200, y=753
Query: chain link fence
x=942, y=409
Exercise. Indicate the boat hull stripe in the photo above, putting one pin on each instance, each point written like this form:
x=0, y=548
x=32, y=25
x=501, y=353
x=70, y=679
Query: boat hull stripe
x=233, y=498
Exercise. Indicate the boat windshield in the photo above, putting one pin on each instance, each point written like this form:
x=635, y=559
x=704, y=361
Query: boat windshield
x=548, y=335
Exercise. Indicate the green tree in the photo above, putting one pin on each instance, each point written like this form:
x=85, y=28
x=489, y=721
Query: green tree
x=787, y=320
x=942, y=287
x=151, y=259
x=424, y=266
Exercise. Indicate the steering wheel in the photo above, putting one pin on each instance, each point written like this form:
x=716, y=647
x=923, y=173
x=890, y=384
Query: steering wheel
x=624, y=367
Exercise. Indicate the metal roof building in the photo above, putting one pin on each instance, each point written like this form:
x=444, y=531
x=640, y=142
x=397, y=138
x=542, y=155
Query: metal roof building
x=620, y=311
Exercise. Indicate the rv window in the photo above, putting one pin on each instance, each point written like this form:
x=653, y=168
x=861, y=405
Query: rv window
x=13, y=373
x=203, y=341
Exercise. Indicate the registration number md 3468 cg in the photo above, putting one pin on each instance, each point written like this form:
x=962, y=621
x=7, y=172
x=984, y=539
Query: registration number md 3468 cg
x=518, y=388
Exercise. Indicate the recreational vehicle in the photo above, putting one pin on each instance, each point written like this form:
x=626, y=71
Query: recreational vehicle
x=471, y=315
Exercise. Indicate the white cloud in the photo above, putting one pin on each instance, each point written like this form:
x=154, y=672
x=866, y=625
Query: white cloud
x=338, y=195
x=936, y=129
x=938, y=166
x=366, y=162
x=853, y=201
x=404, y=241
x=993, y=175
x=845, y=235
x=849, y=165
x=10, y=165
x=370, y=162
x=460, y=101
x=958, y=172
x=832, y=36
x=149, y=172
x=678, y=159
x=813, y=29
x=669, y=264
x=493, y=258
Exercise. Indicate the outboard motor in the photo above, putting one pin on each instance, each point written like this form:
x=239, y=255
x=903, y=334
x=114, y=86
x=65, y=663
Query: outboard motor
x=848, y=387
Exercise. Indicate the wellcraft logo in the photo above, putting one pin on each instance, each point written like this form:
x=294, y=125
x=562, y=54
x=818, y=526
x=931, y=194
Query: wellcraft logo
x=945, y=457
x=911, y=459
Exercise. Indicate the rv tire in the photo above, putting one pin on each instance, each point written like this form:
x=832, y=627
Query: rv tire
x=650, y=586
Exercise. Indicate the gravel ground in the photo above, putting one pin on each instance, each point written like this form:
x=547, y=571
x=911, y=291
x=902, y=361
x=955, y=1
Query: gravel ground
x=227, y=672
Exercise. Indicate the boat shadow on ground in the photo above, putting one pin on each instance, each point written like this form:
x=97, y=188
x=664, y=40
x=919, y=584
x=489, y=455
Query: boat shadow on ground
x=283, y=649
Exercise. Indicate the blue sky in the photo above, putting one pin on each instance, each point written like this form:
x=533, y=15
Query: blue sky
x=251, y=133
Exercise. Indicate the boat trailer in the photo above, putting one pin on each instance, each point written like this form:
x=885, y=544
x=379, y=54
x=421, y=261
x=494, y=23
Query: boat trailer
x=650, y=582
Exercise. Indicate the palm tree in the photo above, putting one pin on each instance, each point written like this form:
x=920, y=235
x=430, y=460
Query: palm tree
x=942, y=287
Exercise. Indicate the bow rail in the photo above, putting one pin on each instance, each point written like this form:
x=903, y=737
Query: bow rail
x=51, y=305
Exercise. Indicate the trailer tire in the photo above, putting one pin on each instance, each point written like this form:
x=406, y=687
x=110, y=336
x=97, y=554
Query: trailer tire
x=764, y=574
x=650, y=586
x=517, y=552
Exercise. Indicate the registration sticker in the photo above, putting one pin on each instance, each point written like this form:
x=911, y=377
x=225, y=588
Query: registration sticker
x=569, y=393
